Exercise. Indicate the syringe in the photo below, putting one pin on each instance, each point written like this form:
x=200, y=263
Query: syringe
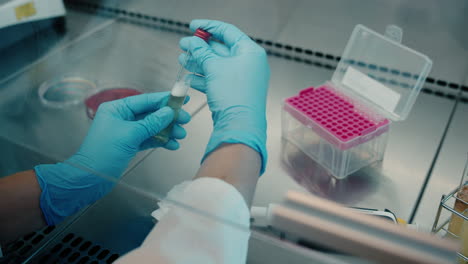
x=179, y=91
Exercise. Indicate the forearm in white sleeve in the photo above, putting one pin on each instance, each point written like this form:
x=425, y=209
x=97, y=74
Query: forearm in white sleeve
x=182, y=236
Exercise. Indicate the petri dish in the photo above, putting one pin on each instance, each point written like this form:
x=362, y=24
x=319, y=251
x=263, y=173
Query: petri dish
x=108, y=94
x=65, y=91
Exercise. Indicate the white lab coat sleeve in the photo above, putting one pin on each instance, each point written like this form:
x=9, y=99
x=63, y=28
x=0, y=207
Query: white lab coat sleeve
x=198, y=235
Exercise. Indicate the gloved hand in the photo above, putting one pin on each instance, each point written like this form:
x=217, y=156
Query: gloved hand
x=120, y=129
x=235, y=76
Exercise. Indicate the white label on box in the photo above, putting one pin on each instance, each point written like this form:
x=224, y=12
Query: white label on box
x=371, y=89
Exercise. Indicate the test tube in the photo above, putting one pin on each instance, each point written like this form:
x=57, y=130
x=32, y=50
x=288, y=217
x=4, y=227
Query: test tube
x=179, y=91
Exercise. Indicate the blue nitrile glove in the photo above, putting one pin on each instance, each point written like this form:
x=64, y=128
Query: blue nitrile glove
x=235, y=80
x=120, y=129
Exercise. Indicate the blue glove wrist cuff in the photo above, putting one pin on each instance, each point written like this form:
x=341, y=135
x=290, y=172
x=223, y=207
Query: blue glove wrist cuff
x=239, y=137
x=240, y=125
x=66, y=190
x=44, y=199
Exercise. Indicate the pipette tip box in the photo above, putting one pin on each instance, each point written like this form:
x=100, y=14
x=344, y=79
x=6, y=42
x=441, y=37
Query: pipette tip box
x=332, y=131
x=344, y=123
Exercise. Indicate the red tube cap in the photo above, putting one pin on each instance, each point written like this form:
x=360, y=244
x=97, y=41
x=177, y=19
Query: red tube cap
x=202, y=34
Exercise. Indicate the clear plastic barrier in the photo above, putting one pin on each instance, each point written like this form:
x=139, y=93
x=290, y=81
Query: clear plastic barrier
x=367, y=55
x=49, y=96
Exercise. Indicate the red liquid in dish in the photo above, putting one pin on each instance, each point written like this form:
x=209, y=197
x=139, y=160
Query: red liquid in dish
x=94, y=101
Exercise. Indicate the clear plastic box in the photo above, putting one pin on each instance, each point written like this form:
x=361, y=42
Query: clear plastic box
x=343, y=124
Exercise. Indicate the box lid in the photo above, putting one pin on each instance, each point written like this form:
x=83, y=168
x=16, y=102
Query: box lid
x=380, y=72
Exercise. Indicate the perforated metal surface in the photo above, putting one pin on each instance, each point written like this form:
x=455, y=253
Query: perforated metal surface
x=73, y=248
x=19, y=250
x=68, y=248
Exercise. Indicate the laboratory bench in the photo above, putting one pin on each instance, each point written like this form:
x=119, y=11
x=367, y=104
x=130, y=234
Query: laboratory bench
x=118, y=44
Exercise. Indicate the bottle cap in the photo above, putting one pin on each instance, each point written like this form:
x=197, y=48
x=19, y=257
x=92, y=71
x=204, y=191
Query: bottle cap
x=202, y=34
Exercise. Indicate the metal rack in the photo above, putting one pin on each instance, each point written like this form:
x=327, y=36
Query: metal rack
x=445, y=202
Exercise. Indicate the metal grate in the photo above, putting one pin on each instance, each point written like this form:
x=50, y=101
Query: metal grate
x=70, y=249
x=75, y=249
x=19, y=250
